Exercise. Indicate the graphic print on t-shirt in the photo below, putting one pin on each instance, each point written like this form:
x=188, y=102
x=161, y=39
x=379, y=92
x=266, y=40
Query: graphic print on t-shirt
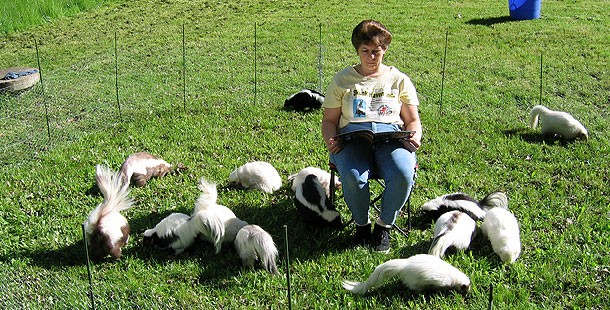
x=359, y=108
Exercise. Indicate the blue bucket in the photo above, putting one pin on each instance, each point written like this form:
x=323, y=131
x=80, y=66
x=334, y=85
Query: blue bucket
x=524, y=9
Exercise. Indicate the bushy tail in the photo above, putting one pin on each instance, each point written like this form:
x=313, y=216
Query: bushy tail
x=208, y=197
x=383, y=272
x=210, y=225
x=495, y=199
x=440, y=244
x=114, y=191
x=534, y=115
x=253, y=243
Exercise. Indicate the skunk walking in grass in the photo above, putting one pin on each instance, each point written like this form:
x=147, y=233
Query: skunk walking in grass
x=557, y=123
x=305, y=100
x=172, y=232
x=452, y=229
x=140, y=167
x=216, y=223
x=254, y=243
x=456, y=201
x=311, y=186
x=502, y=229
x=106, y=230
x=257, y=175
x=418, y=272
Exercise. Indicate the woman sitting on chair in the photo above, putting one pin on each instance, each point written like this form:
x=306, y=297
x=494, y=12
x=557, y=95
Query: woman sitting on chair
x=376, y=97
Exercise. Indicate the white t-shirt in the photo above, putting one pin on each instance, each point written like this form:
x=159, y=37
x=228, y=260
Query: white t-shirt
x=364, y=99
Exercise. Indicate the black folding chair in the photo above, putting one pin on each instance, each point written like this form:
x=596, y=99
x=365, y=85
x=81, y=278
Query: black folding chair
x=333, y=171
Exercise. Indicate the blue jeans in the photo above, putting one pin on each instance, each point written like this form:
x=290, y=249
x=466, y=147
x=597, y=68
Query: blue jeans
x=389, y=161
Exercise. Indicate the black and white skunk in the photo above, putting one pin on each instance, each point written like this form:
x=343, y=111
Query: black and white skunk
x=172, y=232
x=452, y=229
x=418, y=272
x=254, y=243
x=257, y=175
x=304, y=100
x=216, y=223
x=311, y=187
x=456, y=201
x=106, y=230
x=502, y=229
x=557, y=123
x=140, y=167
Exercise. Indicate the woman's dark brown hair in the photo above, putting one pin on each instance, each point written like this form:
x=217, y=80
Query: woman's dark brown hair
x=371, y=32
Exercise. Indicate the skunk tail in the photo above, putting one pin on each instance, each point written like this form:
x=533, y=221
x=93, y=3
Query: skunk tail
x=253, y=242
x=208, y=197
x=210, y=225
x=115, y=193
x=534, y=113
x=383, y=272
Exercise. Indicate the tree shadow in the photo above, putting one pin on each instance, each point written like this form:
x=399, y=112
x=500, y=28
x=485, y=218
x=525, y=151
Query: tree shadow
x=489, y=21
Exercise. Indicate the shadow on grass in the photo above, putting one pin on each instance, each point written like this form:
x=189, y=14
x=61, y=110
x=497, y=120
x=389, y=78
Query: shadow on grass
x=537, y=138
x=489, y=21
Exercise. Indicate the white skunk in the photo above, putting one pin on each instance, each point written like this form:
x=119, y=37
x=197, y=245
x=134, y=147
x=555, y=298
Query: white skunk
x=106, y=230
x=493, y=200
x=455, y=229
x=304, y=100
x=502, y=229
x=216, y=223
x=557, y=123
x=418, y=272
x=140, y=167
x=172, y=232
x=311, y=187
x=257, y=175
x=456, y=201
x=254, y=243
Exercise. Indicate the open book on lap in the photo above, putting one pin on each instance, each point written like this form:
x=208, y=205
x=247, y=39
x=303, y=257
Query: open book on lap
x=369, y=137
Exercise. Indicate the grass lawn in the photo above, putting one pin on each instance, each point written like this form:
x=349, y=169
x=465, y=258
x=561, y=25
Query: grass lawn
x=241, y=60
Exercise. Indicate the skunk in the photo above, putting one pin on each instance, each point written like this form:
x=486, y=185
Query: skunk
x=106, y=230
x=455, y=229
x=258, y=175
x=216, y=223
x=171, y=232
x=140, y=167
x=502, y=229
x=495, y=199
x=418, y=272
x=254, y=243
x=557, y=123
x=305, y=100
x=456, y=201
x=311, y=187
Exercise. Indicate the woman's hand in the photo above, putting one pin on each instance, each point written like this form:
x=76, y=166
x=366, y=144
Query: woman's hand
x=333, y=146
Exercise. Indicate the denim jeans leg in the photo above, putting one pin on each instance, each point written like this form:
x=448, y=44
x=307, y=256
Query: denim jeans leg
x=396, y=166
x=354, y=164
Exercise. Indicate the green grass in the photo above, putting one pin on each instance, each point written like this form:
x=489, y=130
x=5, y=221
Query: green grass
x=477, y=141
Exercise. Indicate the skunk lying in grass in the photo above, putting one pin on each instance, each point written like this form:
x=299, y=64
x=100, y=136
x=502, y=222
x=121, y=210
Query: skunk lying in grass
x=502, y=229
x=106, y=230
x=169, y=234
x=311, y=187
x=305, y=100
x=254, y=243
x=452, y=229
x=257, y=175
x=557, y=123
x=418, y=272
x=140, y=167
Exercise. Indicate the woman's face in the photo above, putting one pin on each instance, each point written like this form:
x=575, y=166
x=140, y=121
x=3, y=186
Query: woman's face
x=371, y=57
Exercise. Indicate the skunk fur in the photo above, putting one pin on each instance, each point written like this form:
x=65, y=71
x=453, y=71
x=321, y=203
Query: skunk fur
x=140, y=167
x=418, y=272
x=216, y=223
x=452, y=229
x=254, y=243
x=171, y=232
x=502, y=229
x=106, y=230
x=304, y=100
x=495, y=199
x=557, y=123
x=311, y=187
x=456, y=201
x=258, y=175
